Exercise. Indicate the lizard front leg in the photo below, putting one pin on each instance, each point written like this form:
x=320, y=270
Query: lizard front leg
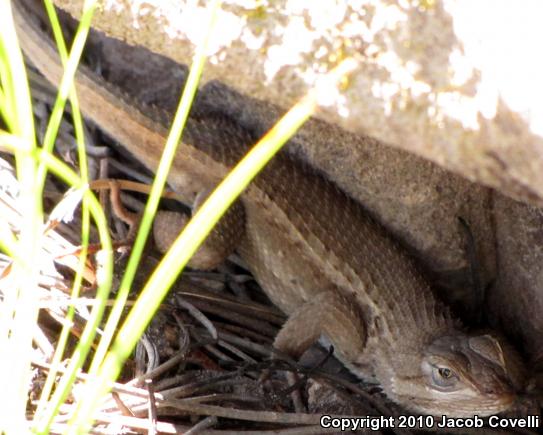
x=331, y=313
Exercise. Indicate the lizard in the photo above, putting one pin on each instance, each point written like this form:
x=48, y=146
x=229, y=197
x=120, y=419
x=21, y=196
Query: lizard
x=318, y=255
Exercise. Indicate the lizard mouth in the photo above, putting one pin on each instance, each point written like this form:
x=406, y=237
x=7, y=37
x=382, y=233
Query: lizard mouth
x=505, y=399
x=483, y=405
x=501, y=392
x=493, y=403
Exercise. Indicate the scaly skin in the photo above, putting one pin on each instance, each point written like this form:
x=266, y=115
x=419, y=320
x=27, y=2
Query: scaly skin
x=318, y=256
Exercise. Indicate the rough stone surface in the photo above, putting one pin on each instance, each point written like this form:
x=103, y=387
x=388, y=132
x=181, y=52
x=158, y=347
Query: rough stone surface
x=433, y=78
x=516, y=299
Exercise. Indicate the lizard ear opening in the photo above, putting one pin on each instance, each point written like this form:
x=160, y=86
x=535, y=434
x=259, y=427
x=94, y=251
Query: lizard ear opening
x=488, y=347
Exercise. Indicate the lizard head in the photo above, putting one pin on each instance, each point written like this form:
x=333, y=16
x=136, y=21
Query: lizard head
x=464, y=376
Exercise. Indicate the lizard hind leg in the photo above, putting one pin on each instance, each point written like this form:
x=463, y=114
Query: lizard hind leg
x=331, y=313
x=219, y=244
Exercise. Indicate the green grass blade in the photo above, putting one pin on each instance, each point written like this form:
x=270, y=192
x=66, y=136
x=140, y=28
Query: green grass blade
x=159, y=182
x=27, y=158
x=85, y=226
x=19, y=309
x=70, y=67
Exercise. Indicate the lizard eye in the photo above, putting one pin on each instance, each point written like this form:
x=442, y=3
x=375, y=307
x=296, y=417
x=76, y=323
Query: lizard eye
x=444, y=377
x=444, y=372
